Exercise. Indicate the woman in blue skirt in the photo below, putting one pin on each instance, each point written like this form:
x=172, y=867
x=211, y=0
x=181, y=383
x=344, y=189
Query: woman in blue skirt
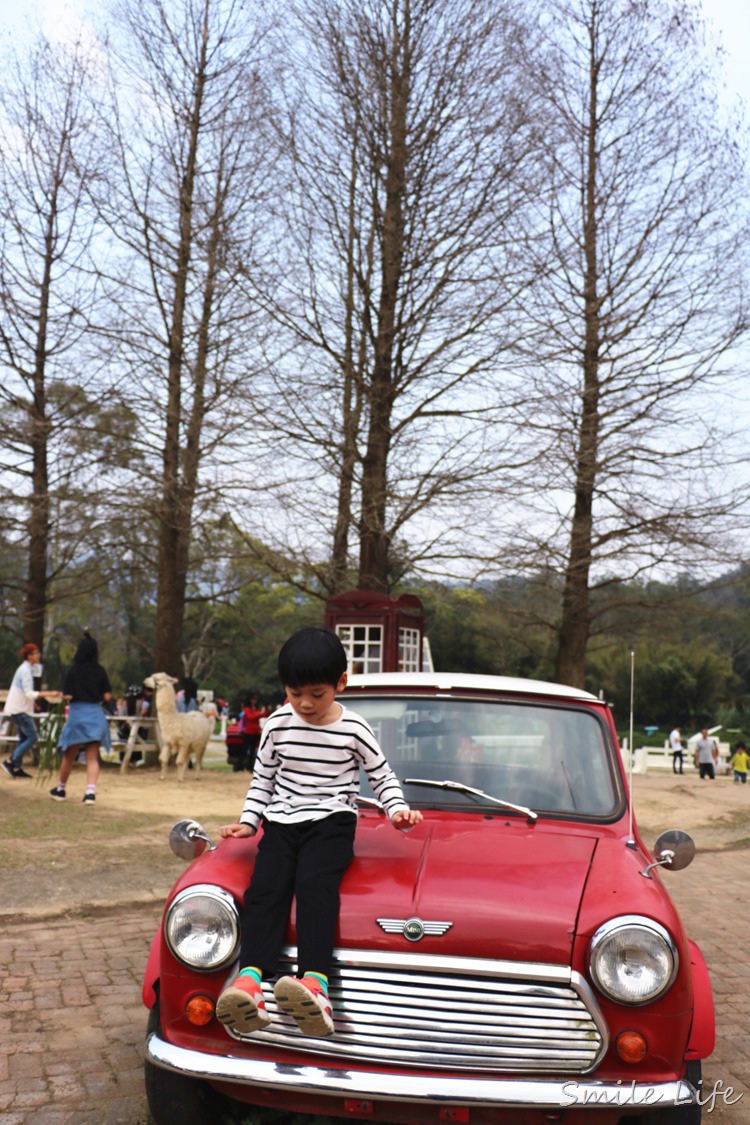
x=86, y=685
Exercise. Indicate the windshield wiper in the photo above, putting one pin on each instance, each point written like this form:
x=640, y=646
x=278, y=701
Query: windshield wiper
x=530, y=815
x=370, y=803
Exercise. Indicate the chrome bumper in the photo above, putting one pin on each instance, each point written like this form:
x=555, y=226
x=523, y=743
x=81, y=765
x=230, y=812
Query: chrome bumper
x=390, y=1087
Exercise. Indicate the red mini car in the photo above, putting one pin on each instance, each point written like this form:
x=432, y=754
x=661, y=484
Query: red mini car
x=513, y=958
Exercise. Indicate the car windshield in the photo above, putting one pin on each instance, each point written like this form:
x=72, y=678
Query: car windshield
x=547, y=758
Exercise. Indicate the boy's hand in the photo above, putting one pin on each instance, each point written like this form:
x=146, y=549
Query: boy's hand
x=237, y=829
x=406, y=818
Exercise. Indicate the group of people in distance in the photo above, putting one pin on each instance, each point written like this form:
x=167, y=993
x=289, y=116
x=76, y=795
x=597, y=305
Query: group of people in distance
x=87, y=692
x=707, y=756
x=85, y=689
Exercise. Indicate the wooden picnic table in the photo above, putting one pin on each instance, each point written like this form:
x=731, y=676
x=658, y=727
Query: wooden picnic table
x=134, y=740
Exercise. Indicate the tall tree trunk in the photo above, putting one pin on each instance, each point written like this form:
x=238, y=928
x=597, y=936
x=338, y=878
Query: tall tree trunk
x=575, y=621
x=35, y=601
x=176, y=502
x=374, y=538
x=351, y=390
x=374, y=535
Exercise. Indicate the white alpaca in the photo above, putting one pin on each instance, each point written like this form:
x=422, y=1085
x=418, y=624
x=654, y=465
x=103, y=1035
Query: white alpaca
x=182, y=734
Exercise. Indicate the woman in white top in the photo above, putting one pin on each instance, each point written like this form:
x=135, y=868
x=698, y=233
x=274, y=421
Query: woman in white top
x=19, y=708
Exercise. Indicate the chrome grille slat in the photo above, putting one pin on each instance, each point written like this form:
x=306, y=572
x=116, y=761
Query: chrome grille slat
x=452, y=1013
x=471, y=993
x=499, y=1048
x=437, y=988
x=397, y=1055
x=384, y=1017
x=415, y=1005
x=508, y=1034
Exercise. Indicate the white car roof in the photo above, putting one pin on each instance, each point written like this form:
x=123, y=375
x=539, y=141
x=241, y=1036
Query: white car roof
x=464, y=681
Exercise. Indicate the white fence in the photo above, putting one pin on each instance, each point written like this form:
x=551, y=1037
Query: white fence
x=659, y=758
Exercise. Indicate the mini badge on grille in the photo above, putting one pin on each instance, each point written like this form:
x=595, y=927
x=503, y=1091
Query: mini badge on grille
x=413, y=929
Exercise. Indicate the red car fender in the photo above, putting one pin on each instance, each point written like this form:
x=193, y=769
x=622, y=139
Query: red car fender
x=151, y=975
x=703, y=1031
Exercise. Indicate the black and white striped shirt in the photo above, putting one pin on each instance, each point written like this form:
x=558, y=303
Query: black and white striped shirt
x=305, y=772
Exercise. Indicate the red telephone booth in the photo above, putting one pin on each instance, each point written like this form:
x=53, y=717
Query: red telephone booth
x=380, y=632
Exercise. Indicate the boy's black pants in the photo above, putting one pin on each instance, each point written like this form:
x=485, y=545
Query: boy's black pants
x=306, y=861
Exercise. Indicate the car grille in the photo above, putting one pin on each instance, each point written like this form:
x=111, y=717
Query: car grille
x=453, y=1013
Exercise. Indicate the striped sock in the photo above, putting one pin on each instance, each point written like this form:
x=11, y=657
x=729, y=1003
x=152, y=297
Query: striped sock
x=251, y=971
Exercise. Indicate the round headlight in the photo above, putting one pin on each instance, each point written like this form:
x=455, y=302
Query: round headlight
x=633, y=960
x=202, y=927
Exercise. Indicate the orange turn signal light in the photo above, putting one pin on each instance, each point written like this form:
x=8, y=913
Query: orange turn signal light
x=631, y=1046
x=199, y=1010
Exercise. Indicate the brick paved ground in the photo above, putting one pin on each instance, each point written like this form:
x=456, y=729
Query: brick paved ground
x=72, y=1023
x=712, y=896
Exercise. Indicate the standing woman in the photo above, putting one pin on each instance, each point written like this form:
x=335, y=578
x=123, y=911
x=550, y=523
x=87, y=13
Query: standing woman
x=250, y=729
x=19, y=708
x=86, y=686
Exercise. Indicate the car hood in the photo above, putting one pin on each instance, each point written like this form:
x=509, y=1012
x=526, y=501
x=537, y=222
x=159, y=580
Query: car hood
x=509, y=889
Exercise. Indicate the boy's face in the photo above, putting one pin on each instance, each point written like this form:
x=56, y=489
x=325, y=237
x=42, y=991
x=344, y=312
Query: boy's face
x=316, y=703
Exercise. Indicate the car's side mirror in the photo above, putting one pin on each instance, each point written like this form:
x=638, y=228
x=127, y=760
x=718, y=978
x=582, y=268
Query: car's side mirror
x=188, y=840
x=674, y=850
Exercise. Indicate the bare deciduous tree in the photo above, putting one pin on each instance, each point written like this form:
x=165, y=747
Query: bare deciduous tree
x=181, y=206
x=641, y=247
x=407, y=142
x=52, y=388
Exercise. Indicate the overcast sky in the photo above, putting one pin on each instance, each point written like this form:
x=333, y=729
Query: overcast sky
x=731, y=18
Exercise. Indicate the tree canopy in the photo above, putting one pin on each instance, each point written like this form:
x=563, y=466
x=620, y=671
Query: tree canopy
x=305, y=296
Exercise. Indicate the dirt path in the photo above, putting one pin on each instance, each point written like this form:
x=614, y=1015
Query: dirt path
x=716, y=813
x=67, y=856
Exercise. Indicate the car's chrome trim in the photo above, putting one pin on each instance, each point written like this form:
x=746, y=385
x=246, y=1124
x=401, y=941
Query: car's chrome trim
x=506, y=1016
x=218, y=895
x=476, y=966
x=635, y=921
x=413, y=929
x=434, y=1088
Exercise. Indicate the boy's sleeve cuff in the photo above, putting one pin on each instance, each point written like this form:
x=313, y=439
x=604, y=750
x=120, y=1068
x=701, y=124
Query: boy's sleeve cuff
x=401, y=807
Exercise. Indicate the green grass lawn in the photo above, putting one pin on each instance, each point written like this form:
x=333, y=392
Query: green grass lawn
x=62, y=820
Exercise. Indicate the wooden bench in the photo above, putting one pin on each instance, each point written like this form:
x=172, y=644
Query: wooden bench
x=9, y=734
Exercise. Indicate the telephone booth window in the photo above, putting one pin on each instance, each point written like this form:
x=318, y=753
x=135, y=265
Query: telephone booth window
x=363, y=645
x=409, y=646
x=380, y=632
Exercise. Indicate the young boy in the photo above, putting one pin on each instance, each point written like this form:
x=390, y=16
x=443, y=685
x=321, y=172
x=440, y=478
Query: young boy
x=304, y=790
x=739, y=763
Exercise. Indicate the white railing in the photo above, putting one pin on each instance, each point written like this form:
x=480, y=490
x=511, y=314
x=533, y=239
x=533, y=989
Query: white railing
x=658, y=758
